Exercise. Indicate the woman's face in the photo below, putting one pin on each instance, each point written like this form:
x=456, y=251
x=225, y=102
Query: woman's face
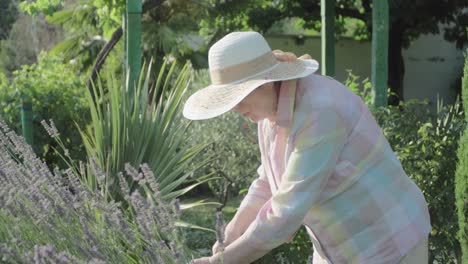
x=259, y=104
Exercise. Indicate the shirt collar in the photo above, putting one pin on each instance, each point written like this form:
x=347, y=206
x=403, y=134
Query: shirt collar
x=286, y=100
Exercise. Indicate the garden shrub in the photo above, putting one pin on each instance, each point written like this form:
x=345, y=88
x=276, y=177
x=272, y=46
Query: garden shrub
x=57, y=93
x=425, y=144
x=363, y=88
x=234, y=149
x=461, y=176
x=298, y=251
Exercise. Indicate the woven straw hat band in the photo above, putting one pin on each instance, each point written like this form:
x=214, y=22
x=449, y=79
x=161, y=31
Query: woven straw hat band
x=243, y=70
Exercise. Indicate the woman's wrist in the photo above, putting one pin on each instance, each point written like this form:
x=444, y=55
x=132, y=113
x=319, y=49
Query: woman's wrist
x=231, y=233
x=216, y=259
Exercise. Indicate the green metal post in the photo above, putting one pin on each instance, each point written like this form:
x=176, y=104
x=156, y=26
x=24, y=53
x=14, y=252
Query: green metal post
x=328, y=37
x=26, y=120
x=124, y=36
x=133, y=41
x=380, y=20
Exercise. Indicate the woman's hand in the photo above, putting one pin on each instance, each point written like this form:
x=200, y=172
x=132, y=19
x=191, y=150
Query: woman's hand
x=230, y=235
x=216, y=248
x=205, y=260
x=215, y=259
x=289, y=56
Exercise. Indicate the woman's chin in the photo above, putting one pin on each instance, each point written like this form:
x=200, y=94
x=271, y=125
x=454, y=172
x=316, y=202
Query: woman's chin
x=255, y=119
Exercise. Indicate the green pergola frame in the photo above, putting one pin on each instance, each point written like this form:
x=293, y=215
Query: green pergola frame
x=132, y=33
x=380, y=20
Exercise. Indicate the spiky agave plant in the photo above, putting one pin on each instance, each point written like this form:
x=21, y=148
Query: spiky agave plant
x=134, y=127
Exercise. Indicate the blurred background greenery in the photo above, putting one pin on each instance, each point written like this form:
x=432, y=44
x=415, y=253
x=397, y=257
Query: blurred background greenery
x=48, y=48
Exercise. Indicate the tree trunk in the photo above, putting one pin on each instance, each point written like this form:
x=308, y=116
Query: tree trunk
x=396, y=65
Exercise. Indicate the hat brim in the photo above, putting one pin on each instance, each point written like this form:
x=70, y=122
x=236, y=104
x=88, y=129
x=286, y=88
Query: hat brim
x=216, y=100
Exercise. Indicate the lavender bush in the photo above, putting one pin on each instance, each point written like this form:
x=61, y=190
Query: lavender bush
x=51, y=217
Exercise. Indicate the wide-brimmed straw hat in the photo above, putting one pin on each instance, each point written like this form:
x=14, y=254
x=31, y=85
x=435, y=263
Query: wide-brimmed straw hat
x=239, y=63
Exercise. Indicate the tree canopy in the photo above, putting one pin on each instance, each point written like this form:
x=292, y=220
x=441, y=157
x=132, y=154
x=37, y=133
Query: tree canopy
x=432, y=16
x=261, y=15
x=9, y=13
x=168, y=27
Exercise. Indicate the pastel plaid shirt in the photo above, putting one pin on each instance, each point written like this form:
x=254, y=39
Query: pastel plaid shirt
x=327, y=165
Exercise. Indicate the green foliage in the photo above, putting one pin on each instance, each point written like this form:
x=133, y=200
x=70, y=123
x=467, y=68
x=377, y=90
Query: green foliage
x=233, y=150
x=107, y=9
x=87, y=18
x=88, y=25
x=461, y=194
x=461, y=176
x=136, y=127
x=260, y=15
x=296, y=251
x=9, y=13
x=4, y=82
x=57, y=93
x=173, y=28
x=169, y=29
x=355, y=16
x=22, y=45
x=200, y=240
x=362, y=88
x=41, y=6
x=425, y=143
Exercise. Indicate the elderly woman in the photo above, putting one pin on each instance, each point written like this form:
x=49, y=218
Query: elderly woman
x=325, y=163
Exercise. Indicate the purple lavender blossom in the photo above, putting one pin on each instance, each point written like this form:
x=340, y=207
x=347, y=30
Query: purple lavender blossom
x=54, y=218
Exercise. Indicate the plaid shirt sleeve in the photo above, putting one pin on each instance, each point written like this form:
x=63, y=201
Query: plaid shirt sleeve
x=259, y=192
x=317, y=146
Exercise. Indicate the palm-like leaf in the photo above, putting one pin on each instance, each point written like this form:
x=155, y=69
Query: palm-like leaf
x=142, y=129
x=87, y=25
